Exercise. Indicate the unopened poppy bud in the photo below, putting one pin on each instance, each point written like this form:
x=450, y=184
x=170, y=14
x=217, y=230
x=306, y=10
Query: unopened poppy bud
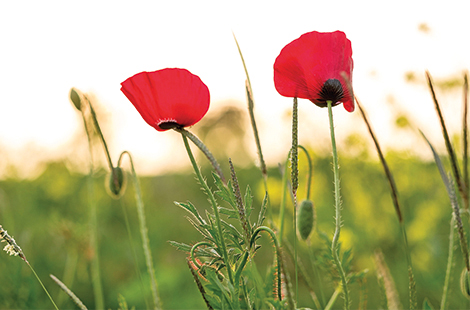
x=465, y=284
x=75, y=98
x=305, y=219
x=116, y=183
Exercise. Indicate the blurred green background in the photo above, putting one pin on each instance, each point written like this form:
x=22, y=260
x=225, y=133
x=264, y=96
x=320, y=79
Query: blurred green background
x=48, y=216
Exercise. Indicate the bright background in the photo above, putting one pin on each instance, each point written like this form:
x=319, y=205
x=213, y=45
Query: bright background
x=47, y=47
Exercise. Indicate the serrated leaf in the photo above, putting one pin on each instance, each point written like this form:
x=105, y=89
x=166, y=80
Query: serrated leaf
x=232, y=214
x=248, y=202
x=262, y=211
x=181, y=246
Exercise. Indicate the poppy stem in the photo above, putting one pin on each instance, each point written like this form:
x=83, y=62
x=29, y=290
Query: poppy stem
x=143, y=231
x=334, y=245
x=209, y=193
x=295, y=184
x=203, y=149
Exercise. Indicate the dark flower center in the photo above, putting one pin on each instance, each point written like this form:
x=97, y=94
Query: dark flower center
x=332, y=90
x=169, y=125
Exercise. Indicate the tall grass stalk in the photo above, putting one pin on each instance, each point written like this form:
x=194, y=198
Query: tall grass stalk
x=396, y=204
x=450, y=149
x=13, y=248
x=143, y=231
x=251, y=112
x=134, y=253
x=214, y=207
x=251, y=106
x=450, y=263
x=465, y=134
x=67, y=291
x=95, y=263
x=338, y=223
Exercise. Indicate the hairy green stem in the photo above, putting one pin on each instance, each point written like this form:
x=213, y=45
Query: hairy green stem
x=204, y=150
x=143, y=231
x=334, y=245
x=282, y=211
x=278, y=254
x=208, y=191
x=295, y=185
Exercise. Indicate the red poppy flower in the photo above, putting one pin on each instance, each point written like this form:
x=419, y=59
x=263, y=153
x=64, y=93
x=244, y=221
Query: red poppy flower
x=310, y=67
x=168, y=98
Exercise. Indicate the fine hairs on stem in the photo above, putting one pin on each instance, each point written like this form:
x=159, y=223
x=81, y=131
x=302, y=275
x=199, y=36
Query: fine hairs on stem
x=334, y=245
x=214, y=206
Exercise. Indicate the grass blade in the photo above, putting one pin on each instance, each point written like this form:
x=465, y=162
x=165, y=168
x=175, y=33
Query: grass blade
x=450, y=149
x=67, y=291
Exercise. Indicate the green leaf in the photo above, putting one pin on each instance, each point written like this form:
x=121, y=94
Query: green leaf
x=427, y=304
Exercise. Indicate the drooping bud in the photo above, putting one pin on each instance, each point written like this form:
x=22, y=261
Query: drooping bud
x=116, y=183
x=76, y=99
x=305, y=219
x=465, y=283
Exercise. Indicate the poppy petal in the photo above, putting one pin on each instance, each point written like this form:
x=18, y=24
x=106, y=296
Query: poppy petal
x=168, y=95
x=305, y=64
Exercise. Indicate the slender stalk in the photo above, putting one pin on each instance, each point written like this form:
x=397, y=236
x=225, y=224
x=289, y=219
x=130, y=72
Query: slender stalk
x=74, y=297
x=465, y=135
x=203, y=149
x=282, y=211
x=43, y=287
x=100, y=133
x=396, y=204
x=251, y=105
x=450, y=149
x=278, y=254
x=310, y=170
x=295, y=186
x=131, y=243
x=334, y=245
x=95, y=263
x=450, y=263
x=208, y=191
x=333, y=298
x=143, y=231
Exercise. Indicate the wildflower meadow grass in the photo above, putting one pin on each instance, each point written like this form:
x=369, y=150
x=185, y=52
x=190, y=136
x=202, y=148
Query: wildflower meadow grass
x=351, y=228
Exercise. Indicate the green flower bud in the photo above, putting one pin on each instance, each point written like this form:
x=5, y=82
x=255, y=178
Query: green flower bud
x=76, y=99
x=116, y=183
x=465, y=284
x=305, y=219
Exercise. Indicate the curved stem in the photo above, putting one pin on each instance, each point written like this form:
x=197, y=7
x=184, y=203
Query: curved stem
x=334, y=245
x=203, y=149
x=278, y=254
x=100, y=133
x=193, y=249
x=143, y=230
x=213, y=203
x=310, y=170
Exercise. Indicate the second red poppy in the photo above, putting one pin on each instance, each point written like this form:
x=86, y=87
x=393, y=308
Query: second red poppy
x=311, y=67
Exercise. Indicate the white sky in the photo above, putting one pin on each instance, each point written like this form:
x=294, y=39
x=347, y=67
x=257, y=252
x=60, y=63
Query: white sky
x=47, y=47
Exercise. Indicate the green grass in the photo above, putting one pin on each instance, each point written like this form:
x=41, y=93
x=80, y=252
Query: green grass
x=48, y=217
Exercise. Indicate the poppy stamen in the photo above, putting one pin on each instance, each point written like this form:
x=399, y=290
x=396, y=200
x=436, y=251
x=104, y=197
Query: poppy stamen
x=332, y=90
